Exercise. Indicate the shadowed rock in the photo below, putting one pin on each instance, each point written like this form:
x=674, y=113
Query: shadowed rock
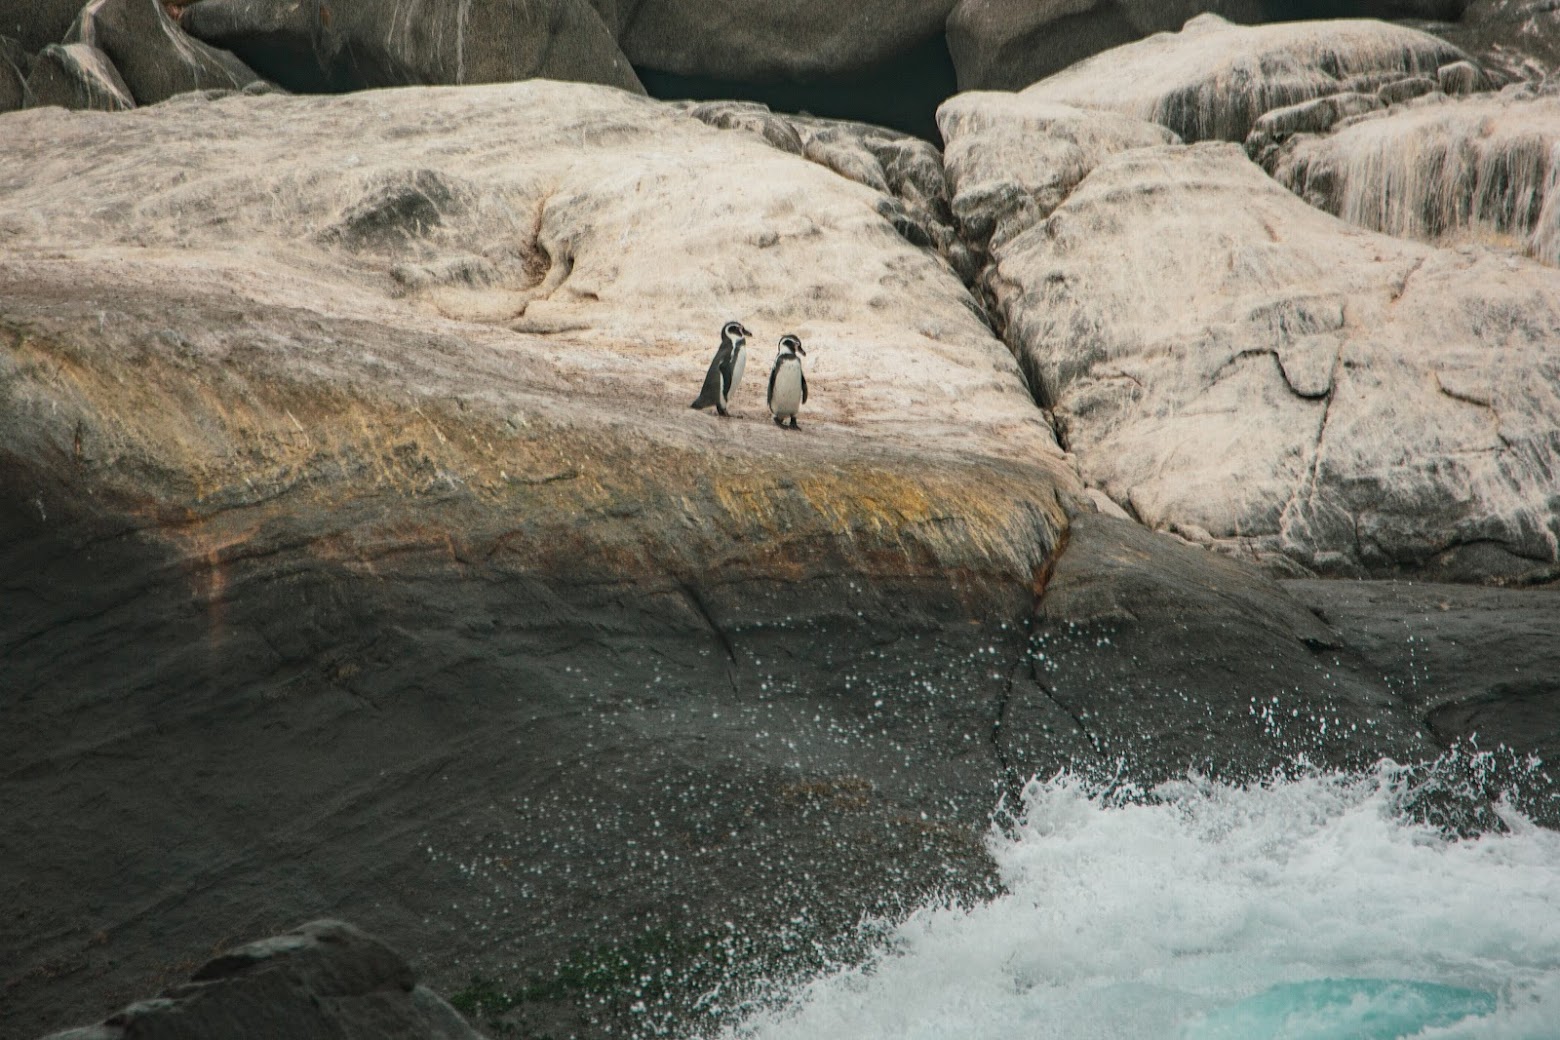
x=315, y=45
x=1483, y=169
x=77, y=76
x=15, y=64
x=324, y=979
x=765, y=40
x=35, y=24
x=1213, y=80
x=156, y=59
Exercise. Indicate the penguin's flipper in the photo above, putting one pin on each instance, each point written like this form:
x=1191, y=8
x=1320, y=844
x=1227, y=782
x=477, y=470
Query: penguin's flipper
x=710, y=393
x=803, y=374
x=772, y=373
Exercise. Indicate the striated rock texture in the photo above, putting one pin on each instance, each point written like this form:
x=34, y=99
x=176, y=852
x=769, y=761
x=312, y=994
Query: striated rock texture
x=323, y=979
x=77, y=76
x=153, y=55
x=1214, y=80
x=313, y=45
x=1486, y=169
x=1007, y=45
x=1227, y=362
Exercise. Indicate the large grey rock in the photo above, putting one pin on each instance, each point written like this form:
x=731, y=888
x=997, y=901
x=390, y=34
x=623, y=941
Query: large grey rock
x=37, y=23
x=1486, y=169
x=403, y=540
x=153, y=55
x=1214, y=80
x=1230, y=363
x=314, y=46
x=325, y=979
x=77, y=76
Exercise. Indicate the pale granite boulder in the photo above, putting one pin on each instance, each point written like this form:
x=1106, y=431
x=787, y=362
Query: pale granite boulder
x=1233, y=365
x=1213, y=80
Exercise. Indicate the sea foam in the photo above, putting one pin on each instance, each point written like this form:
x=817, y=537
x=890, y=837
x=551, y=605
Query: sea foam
x=1316, y=906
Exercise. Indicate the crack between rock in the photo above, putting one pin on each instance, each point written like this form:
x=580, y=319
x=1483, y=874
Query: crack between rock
x=1012, y=787
x=703, y=610
x=1397, y=294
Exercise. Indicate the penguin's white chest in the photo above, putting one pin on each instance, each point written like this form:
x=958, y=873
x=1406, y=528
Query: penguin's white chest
x=786, y=397
x=738, y=366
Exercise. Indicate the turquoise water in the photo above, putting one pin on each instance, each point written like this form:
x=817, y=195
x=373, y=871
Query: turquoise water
x=1314, y=908
x=1364, y=1009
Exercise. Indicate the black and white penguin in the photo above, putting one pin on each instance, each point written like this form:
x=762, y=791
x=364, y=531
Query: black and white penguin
x=720, y=382
x=787, y=382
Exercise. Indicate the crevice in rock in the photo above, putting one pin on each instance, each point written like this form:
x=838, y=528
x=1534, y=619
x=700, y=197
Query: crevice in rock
x=1012, y=787
x=696, y=600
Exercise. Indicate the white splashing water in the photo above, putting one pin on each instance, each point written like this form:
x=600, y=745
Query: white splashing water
x=1306, y=908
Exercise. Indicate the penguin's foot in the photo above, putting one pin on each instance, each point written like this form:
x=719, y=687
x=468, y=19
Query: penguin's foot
x=722, y=412
x=779, y=422
x=793, y=423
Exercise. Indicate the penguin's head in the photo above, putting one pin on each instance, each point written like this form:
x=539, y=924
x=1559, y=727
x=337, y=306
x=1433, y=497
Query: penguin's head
x=789, y=344
x=735, y=332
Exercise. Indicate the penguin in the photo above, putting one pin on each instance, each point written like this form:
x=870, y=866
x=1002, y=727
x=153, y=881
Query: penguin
x=787, y=382
x=726, y=369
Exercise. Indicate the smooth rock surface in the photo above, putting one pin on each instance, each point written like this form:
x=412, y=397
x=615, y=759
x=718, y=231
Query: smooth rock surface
x=1229, y=363
x=77, y=76
x=153, y=55
x=1214, y=80
x=313, y=46
x=323, y=979
x=1481, y=170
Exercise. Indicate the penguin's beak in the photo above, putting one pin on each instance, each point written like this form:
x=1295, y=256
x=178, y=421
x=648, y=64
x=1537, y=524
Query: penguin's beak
x=743, y=329
x=800, y=351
